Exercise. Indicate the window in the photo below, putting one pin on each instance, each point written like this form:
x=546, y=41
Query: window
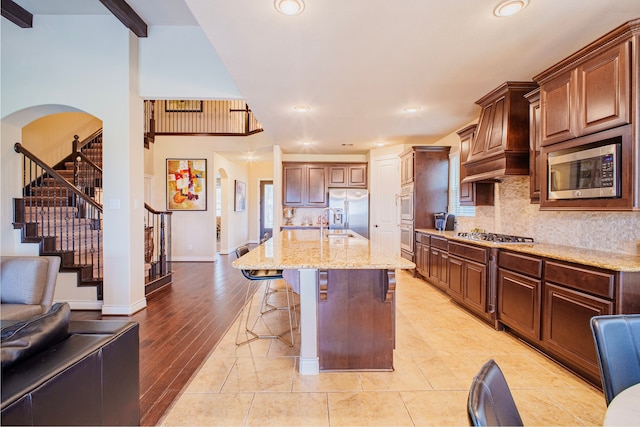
x=454, y=189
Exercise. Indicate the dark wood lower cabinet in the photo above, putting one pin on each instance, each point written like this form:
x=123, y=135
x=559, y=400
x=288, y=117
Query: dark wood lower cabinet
x=356, y=319
x=567, y=331
x=438, y=272
x=519, y=303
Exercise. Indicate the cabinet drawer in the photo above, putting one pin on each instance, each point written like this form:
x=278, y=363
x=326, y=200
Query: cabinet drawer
x=474, y=253
x=521, y=263
x=440, y=243
x=595, y=282
x=422, y=238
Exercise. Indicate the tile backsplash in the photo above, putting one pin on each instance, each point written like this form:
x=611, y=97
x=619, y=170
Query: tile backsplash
x=514, y=214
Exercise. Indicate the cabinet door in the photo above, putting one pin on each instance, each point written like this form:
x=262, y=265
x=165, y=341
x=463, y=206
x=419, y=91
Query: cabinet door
x=455, y=270
x=535, y=165
x=317, y=195
x=604, y=90
x=558, y=99
x=519, y=303
x=444, y=271
x=357, y=175
x=406, y=168
x=419, y=257
x=475, y=286
x=434, y=265
x=472, y=193
x=566, y=326
x=337, y=176
x=294, y=182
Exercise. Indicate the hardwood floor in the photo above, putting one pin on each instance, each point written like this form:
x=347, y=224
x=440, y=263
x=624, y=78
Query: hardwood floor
x=180, y=327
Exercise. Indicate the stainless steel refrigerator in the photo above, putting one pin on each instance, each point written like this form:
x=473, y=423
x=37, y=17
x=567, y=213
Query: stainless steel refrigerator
x=352, y=205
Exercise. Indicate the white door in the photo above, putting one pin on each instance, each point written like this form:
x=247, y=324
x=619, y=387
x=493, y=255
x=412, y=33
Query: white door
x=385, y=188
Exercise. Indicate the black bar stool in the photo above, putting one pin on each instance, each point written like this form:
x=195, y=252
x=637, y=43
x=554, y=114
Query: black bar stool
x=266, y=307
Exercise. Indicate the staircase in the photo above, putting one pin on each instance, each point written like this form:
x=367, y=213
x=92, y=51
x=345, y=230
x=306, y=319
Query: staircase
x=61, y=210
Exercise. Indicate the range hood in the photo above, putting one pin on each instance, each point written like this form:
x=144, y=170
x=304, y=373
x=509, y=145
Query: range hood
x=500, y=146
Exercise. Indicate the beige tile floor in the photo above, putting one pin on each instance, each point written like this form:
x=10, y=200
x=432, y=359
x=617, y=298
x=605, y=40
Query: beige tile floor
x=439, y=349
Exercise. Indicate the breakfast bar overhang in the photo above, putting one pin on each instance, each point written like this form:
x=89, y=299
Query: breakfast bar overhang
x=347, y=301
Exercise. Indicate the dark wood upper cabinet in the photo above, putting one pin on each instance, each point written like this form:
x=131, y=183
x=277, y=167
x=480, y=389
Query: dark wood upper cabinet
x=348, y=175
x=407, y=164
x=472, y=193
x=586, y=98
x=536, y=167
x=304, y=185
x=604, y=90
x=592, y=96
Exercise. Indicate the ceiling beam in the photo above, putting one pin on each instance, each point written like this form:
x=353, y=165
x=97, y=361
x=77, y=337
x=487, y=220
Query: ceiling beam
x=16, y=14
x=126, y=15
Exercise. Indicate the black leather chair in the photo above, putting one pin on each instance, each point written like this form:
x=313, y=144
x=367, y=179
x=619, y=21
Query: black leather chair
x=266, y=307
x=617, y=340
x=490, y=402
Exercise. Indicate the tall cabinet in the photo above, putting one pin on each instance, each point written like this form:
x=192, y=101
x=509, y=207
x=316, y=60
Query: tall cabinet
x=424, y=172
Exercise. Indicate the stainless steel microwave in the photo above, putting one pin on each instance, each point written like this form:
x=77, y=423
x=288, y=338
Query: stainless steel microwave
x=584, y=173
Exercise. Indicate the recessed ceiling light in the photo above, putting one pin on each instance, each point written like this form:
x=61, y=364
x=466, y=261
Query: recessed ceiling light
x=380, y=144
x=289, y=7
x=347, y=145
x=302, y=108
x=413, y=109
x=307, y=143
x=510, y=7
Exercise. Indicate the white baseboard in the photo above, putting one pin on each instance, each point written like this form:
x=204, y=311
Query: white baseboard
x=192, y=258
x=124, y=310
x=84, y=305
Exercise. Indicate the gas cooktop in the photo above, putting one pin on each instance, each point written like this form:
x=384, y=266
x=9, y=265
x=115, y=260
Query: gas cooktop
x=496, y=238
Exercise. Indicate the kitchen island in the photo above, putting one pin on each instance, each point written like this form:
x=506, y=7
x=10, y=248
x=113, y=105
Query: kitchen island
x=347, y=305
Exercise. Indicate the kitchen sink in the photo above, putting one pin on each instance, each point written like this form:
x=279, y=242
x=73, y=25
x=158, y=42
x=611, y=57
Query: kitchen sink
x=339, y=234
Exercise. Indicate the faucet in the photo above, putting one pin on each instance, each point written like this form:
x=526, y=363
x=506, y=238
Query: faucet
x=335, y=212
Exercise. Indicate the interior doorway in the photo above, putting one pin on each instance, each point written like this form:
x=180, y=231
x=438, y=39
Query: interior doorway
x=266, y=209
x=219, y=210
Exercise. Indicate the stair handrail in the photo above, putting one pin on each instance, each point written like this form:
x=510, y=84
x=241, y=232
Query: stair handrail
x=158, y=223
x=78, y=145
x=18, y=148
x=88, y=161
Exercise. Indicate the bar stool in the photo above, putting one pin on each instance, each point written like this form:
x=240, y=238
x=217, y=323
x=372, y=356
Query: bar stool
x=265, y=306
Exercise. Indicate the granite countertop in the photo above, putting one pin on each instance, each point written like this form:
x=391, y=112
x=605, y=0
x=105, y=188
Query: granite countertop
x=607, y=260
x=294, y=249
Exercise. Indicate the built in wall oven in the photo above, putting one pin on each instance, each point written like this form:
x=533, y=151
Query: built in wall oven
x=585, y=172
x=406, y=203
x=406, y=237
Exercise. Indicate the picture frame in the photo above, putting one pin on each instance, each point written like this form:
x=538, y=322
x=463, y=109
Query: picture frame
x=183, y=106
x=240, y=196
x=186, y=184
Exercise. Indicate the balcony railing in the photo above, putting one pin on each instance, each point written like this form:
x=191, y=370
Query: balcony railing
x=195, y=117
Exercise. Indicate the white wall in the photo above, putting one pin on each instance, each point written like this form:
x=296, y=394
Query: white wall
x=50, y=138
x=180, y=63
x=194, y=232
x=44, y=71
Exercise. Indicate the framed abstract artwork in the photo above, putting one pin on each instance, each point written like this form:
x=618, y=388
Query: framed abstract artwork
x=187, y=184
x=240, y=196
